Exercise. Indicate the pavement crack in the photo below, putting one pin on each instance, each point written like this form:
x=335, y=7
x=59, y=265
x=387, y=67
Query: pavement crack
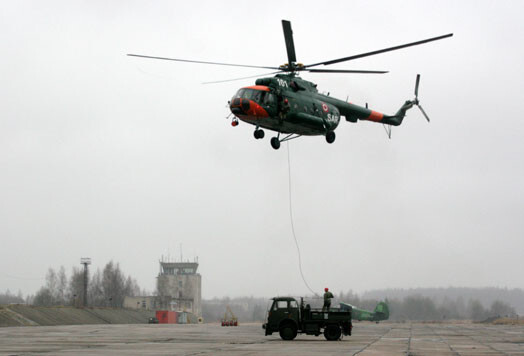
x=372, y=342
x=455, y=352
x=408, y=351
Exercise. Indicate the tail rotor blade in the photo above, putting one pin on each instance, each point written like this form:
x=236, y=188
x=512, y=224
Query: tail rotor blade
x=423, y=112
x=416, y=85
x=290, y=45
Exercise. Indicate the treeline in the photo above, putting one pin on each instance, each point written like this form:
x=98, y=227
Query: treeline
x=10, y=298
x=106, y=288
x=486, y=296
x=419, y=307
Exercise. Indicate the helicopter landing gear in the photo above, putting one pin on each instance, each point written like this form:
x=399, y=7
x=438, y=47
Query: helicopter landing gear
x=275, y=143
x=258, y=134
x=330, y=136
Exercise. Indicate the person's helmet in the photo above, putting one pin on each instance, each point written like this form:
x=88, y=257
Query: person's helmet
x=326, y=289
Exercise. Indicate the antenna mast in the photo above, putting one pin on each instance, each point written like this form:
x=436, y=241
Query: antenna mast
x=85, y=261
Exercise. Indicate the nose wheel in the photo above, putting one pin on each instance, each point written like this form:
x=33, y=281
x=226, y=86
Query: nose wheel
x=258, y=134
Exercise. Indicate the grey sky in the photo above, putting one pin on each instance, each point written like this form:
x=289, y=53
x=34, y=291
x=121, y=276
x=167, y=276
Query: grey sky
x=112, y=157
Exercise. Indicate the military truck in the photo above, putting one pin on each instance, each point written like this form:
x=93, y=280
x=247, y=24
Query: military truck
x=288, y=318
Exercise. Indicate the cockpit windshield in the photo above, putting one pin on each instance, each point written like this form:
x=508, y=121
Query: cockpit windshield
x=258, y=96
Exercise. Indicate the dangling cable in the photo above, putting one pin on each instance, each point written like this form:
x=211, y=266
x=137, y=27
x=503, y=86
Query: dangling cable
x=292, y=225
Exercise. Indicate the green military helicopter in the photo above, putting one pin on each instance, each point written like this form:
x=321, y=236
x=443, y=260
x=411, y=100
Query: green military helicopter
x=380, y=313
x=293, y=107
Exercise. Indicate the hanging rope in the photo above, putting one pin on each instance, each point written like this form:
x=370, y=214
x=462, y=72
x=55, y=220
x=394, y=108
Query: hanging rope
x=292, y=224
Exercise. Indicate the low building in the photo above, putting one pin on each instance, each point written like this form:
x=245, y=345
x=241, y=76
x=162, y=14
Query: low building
x=144, y=303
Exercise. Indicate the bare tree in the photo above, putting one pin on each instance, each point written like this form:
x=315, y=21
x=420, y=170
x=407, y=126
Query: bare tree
x=43, y=297
x=96, y=293
x=499, y=308
x=76, y=287
x=476, y=310
x=131, y=287
x=113, y=285
x=62, y=286
x=48, y=295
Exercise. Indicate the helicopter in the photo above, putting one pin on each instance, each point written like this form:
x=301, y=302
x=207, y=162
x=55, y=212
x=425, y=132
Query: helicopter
x=293, y=107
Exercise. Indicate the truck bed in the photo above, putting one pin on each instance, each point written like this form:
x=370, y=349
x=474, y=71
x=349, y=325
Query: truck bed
x=334, y=314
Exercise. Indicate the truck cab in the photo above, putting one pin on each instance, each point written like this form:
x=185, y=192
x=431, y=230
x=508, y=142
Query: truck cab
x=289, y=318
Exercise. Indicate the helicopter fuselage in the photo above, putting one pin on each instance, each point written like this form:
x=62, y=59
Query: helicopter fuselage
x=290, y=105
x=286, y=104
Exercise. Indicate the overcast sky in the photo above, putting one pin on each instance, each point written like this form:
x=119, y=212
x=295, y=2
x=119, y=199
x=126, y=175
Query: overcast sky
x=124, y=159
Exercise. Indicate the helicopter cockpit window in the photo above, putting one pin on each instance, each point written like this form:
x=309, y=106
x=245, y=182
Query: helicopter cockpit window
x=247, y=94
x=240, y=93
x=269, y=99
x=256, y=96
x=251, y=94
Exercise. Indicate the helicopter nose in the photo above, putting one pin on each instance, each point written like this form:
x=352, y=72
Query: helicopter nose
x=239, y=106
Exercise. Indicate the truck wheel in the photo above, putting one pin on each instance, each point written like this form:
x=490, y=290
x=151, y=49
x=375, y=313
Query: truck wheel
x=288, y=332
x=332, y=332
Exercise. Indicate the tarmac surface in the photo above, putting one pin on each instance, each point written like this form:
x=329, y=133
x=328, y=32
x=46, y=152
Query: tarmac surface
x=248, y=339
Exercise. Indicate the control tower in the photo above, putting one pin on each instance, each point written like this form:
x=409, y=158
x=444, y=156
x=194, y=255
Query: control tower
x=179, y=286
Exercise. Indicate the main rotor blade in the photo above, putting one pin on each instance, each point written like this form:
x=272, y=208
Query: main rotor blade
x=202, y=62
x=346, y=71
x=379, y=51
x=416, y=85
x=232, y=80
x=290, y=45
x=423, y=112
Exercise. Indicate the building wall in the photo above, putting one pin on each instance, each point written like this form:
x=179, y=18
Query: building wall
x=141, y=303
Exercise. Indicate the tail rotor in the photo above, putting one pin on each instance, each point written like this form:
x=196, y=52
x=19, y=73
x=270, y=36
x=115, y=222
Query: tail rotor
x=416, y=101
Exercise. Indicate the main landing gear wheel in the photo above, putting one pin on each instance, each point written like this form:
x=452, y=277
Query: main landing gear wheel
x=275, y=143
x=258, y=134
x=330, y=136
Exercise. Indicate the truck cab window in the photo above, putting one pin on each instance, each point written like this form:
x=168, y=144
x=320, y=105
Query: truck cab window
x=282, y=304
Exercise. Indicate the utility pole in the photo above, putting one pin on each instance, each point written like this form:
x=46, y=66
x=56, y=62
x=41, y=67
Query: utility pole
x=85, y=261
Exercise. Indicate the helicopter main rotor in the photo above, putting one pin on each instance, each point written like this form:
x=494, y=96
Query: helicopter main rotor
x=292, y=66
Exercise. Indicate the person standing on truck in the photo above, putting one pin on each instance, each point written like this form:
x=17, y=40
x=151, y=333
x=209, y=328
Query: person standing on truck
x=327, y=299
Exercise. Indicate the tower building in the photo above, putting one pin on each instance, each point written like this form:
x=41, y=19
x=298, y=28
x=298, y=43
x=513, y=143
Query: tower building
x=179, y=287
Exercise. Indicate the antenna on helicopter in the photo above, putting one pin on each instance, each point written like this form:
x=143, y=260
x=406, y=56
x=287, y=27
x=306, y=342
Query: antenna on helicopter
x=387, y=128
